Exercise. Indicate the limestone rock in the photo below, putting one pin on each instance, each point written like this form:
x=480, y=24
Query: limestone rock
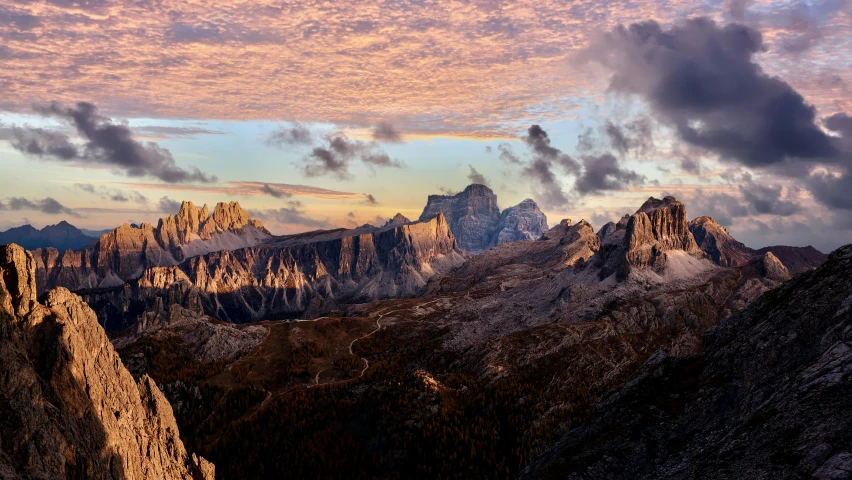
x=524, y=221
x=766, y=397
x=715, y=240
x=725, y=250
x=69, y=407
x=123, y=254
x=398, y=219
x=473, y=216
x=285, y=276
x=657, y=228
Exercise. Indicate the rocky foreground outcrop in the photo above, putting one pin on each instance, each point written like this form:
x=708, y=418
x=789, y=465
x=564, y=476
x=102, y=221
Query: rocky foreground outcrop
x=725, y=250
x=768, y=397
x=300, y=275
x=124, y=253
x=68, y=407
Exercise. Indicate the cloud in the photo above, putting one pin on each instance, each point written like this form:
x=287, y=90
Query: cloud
x=702, y=80
x=275, y=191
x=475, y=177
x=240, y=188
x=168, y=205
x=602, y=173
x=297, y=134
x=635, y=136
x=112, y=194
x=290, y=216
x=336, y=156
x=351, y=214
x=163, y=132
x=370, y=199
x=106, y=143
x=48, y=206
x=385, y=132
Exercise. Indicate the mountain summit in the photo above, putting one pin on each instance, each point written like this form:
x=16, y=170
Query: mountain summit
x=128, y=250
x=61, y=236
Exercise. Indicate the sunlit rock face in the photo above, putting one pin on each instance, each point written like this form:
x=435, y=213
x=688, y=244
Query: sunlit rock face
x=725, y=250
x=69, y=407
x=524, y=221
x=124, y=253
x=473, y=216
x=656, y=229
x=298, y=275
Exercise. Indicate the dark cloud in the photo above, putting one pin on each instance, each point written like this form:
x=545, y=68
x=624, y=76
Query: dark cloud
x=635, y=136
x=385, y=132
x=475, y=177
x=48, y=206
x=370, y=199
x=297, y=134
x=173, y=132
x=40, y=142
x=447, y=191
x=755, y=198
x=106, y=143
x=168, y=205
x=275, y=192
x=766, y=199
x=488, y=149
x=507, y=155
x=702, y=79
x=336, y=156
x=112, y=194
x=290, y=216
x=351, y=214
x=602, y=173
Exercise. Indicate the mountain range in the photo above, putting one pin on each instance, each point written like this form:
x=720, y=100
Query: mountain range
x=61, y=236
x=472, y=342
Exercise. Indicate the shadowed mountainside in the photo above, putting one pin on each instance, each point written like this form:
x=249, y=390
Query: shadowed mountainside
x=68, y=407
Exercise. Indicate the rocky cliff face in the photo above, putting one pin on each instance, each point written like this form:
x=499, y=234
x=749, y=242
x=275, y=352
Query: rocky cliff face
x=68, y=406
x=715, y=240
x=299, y=275
x=524, y=221
x=651, y=236
x=726, y=251
x=767, y=397
x=473, y=216
x=124, y=253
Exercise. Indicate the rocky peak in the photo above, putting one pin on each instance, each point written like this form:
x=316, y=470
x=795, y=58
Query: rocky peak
x=773, y=269
x=473, y=215
x=612, y=227
x=524, y=221
x=398, y=219
x=718, y=244
x=657, y=228
x=69, y=407
x=17, y=280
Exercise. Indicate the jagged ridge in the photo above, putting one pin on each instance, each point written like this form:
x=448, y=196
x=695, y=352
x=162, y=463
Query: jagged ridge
x=69, y=407
x=124, y=253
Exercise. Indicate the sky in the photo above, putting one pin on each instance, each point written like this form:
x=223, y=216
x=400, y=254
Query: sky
x=328, y=114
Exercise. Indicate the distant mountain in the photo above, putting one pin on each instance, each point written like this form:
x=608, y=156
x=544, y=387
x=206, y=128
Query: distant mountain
x=61, y=236
x=725, y=250
x=477, y=223
x=524, y=221
x=95, y=233
x=307, y=274
x=124, y=253
x=473, y=215
x=398, y=219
